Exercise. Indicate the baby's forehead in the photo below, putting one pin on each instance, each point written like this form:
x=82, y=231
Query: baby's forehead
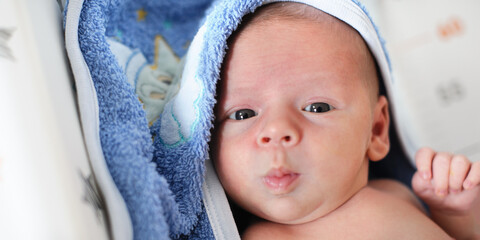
x=299, y=15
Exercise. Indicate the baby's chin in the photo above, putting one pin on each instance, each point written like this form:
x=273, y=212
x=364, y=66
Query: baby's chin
x=291, y=214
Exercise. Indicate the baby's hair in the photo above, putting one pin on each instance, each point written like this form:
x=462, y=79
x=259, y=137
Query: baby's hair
x=282, y=10
x=299, y=11
x=289, y=10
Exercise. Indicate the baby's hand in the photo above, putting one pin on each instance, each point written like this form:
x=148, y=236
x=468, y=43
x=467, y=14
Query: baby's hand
x=446, y=182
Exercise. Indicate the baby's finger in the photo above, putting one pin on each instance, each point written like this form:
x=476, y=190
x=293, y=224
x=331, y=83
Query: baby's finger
x=459, y=167
x=423, y=160
x=473, y=178
x=441, y=169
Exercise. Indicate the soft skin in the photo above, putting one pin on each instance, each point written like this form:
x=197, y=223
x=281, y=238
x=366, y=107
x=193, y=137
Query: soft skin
x=320, y=158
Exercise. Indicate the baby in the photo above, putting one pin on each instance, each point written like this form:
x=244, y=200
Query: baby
x=299, y=117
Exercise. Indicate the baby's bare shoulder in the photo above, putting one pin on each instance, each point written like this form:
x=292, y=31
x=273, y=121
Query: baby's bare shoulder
x=396, y=189
x=393, y=211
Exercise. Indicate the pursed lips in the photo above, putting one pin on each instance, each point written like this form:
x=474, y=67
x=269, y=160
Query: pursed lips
x=279, y=180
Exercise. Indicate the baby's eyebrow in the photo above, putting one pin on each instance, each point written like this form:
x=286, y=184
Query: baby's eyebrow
x=237, y=94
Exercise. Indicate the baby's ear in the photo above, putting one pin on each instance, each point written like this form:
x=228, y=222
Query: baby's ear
x=380, y=142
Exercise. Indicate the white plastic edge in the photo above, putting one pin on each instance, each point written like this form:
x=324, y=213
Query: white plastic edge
x=217, y=207
x=117, y=212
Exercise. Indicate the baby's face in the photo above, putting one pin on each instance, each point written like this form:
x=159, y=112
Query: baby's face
x=294, y=120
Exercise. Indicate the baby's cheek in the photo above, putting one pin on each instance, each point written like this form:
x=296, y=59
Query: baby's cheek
x=232, y=129
x=234, y=183
x=231, y=167
x=357, y=133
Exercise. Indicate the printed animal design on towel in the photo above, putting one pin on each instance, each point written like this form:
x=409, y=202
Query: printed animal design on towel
x=183, y=112
x=158, y=83
x=141, y=14
x=154, y=83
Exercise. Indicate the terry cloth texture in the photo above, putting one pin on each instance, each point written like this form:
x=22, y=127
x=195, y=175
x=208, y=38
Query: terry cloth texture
x=158, y=209
x=160, y=170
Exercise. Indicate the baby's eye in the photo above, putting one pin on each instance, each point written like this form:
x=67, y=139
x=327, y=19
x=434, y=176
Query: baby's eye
x=242, y=114
x=318, y=107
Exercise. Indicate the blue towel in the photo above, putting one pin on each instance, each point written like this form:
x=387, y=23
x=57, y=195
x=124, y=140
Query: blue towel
x=159, y=167
x=158, y=209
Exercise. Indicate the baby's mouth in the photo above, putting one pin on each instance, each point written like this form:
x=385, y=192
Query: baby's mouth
x=279, y=180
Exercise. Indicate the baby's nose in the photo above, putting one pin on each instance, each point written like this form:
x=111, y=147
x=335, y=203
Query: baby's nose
x=283, y=133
